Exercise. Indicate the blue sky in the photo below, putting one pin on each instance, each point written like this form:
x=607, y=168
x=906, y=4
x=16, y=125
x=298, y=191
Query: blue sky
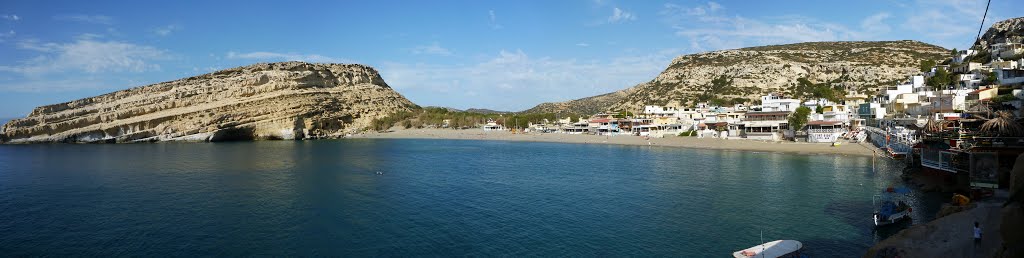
x=504, y=55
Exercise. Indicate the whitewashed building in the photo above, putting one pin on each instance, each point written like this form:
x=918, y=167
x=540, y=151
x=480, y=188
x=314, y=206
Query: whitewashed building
x=777, y=102
x=962, y=56
x=492, y=125
x=1010, y=76
x=766, y=125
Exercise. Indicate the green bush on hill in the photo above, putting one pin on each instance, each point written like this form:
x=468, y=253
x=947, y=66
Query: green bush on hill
x=434, y=117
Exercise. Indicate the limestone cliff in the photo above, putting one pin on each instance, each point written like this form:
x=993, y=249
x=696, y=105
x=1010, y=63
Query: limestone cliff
x=290, y=100
x=858, y=66
x=1005, y=31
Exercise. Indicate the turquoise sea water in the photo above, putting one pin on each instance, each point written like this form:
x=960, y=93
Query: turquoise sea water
x=431, y=197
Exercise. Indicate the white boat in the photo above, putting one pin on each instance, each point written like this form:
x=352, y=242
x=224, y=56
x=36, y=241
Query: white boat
x=777, y=248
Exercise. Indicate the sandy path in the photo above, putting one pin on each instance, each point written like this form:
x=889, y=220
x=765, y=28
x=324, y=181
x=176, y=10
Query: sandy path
x=684, y=142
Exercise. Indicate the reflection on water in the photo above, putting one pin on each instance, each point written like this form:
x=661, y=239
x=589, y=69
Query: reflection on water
x=431, y=197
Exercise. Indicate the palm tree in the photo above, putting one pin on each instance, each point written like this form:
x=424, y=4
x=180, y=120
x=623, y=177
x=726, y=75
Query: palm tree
x=1003, y=124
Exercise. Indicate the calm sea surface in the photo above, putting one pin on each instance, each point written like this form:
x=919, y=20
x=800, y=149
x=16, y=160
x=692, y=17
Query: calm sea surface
x=432, y=197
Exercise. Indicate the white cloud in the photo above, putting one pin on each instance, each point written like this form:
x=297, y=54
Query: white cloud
x=581, y=44
x=97, y=19
x=49, y=85
x=273, y=56
x=11, y=17
x=876, y=23
x=709, y=27
x=494, y=20
x=4, y=36
x=167, y=30
x=618, y=15
x=712, y=6
x=86, y=55
x=950, y=23
x=432, y=49
x=513, y=80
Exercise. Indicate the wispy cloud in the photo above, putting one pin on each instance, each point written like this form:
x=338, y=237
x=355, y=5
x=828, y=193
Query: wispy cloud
x=432, y=49
x=10, y=17
x=274, y=56
x=46, y=85
x=618, y=16
x=167, y=30
x=710, y=27
x=514, y=80
x=96, y=19
x=4, y=36
x=86, y=55
x=581, y=44
x=951, y=23
x=876, y=24
x=493, y=22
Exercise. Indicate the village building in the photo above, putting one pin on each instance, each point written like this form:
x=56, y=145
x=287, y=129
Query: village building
x=777, y=102
x=492, y=125
x=1010, y=76
x=766, y=125
x=963, y=55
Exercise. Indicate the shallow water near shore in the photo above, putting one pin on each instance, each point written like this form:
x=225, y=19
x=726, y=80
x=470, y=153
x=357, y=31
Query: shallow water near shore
x=432, y=197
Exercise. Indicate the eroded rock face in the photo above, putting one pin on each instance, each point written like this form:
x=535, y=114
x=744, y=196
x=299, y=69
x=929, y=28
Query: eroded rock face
x=863, y=67
x=1009, y=30
x=290, y=100
x=859, y=66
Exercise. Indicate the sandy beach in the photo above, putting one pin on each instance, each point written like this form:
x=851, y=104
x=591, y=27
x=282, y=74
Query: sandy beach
x=848, y=149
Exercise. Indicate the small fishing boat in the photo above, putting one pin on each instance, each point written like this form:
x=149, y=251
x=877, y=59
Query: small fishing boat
x=889, y=206
x=897, y=155
x=777, y=248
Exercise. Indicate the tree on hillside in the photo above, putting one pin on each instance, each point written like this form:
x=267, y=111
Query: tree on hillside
x=940, y=80
x=806, y=89
x=721, y=85
x=798, y=118
x=990, y=79
x=926, y=65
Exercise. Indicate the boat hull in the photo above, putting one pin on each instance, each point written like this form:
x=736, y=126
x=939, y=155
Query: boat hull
x=891, y=219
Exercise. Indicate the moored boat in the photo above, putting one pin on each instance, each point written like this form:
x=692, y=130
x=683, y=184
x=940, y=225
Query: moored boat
x=890, y=208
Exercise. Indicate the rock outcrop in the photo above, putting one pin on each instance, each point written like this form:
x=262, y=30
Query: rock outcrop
x=289, y=100
x=584, y=106
x=858, y=66
x=1005, y=31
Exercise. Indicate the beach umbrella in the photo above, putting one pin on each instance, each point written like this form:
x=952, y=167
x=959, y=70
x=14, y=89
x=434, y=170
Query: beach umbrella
x=1002, y=124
